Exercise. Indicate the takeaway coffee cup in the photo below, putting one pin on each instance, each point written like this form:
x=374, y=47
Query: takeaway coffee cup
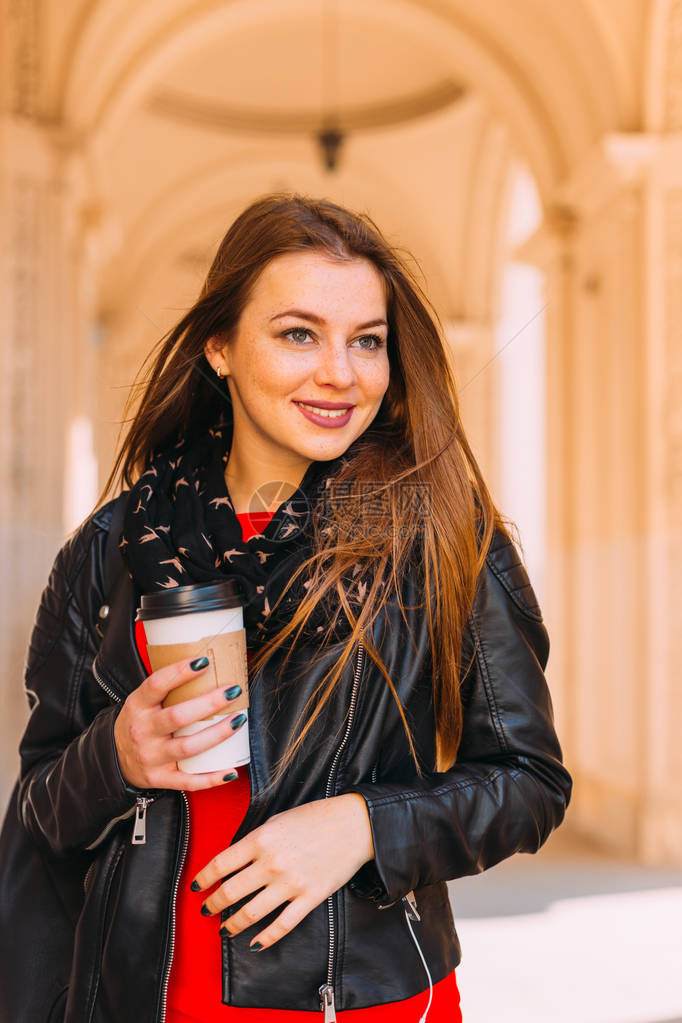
x=202, y=620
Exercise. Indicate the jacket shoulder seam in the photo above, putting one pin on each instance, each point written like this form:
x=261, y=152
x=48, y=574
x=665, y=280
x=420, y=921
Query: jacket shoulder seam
x=503, y=575
x=69, y=572
x=96, y=525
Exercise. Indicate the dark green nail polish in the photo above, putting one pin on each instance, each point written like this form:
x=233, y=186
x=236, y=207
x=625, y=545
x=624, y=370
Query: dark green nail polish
x=205, y=910
x=195, y=887
x=223, y=931
x=233, y=692
x=199, y=663
x=256, y=947
x=238, y=721
x=232, y=776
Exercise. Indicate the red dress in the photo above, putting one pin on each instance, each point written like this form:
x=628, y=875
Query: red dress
x=195, y=983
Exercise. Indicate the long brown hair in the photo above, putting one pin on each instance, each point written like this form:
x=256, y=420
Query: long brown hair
x=415, y=441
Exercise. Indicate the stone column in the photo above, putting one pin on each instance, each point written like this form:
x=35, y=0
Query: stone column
x=613, y=521
x=35, y=383
x=43, y=277
x=660, y=830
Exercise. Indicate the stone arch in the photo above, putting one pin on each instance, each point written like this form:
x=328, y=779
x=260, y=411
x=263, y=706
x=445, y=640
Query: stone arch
x=118, y=52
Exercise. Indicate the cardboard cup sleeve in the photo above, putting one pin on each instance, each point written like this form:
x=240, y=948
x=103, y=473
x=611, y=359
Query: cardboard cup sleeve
x=227, y=666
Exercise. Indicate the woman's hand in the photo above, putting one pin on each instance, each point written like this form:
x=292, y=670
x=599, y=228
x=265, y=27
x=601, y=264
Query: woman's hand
x=147, y=751
x=298, y=857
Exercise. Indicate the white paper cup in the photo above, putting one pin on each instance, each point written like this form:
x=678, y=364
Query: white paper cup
x=202, y=620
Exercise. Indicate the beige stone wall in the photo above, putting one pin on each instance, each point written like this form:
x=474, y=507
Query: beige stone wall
x=132, y=134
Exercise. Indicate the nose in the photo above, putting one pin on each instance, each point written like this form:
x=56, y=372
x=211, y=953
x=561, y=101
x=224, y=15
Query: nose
x=335, y=367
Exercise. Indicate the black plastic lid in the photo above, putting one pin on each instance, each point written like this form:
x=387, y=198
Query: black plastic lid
x=180, y=600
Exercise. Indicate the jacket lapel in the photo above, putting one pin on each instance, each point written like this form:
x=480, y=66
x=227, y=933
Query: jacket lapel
x=118, y=663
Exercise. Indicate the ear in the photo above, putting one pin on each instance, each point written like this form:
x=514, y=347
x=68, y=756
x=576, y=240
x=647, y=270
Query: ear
x=215, y=350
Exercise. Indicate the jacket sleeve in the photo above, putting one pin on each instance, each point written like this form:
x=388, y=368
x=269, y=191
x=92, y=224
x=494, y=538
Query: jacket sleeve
x=71, y=787
x=508, y=788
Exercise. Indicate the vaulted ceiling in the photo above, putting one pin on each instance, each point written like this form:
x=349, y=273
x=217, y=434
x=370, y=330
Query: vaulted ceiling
x=187, y=110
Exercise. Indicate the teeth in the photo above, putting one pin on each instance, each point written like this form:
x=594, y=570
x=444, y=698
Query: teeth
x=327, y=413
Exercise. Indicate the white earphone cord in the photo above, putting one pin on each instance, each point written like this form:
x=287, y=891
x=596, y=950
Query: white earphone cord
x=422, y=1018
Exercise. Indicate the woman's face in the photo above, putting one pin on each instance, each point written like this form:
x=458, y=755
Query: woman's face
x=314, y=331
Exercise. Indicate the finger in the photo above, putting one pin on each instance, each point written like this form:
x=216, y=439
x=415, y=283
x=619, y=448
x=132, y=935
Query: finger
x=252, y=912
x=159, y=684
x=236, y=856
x=217, y=701
x=290, y=917
x=235, y=888
x=196, y=782
x=185, y=746
x=172, y=778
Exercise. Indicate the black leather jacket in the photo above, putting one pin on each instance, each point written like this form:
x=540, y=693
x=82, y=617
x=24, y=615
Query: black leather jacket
x=505, y=794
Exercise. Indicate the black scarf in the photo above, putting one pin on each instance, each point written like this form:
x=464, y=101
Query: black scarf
x=180, y=527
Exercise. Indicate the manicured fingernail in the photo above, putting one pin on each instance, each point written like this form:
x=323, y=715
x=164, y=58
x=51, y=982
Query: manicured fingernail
x=205, y=910
x=256, y=947
x=199, y=663
x=195, y=887
x=238, y=721
x=233, y=692
x=224, y=932
x=232, y=776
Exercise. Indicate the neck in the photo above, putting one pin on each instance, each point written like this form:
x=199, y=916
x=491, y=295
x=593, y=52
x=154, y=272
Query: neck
x=258, y=486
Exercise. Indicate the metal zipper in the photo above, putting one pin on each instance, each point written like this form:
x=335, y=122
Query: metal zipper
x=112, y=824
x=326, y=991
x=176, y=884
x=140, y=828
x=87, y=875
x=327, y=1003
x=100, y=682
x=410, y=906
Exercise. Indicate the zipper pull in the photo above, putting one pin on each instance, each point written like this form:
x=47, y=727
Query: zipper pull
x=411, y=906
x=327, y=1003
x=412, y=913
x=140, y=829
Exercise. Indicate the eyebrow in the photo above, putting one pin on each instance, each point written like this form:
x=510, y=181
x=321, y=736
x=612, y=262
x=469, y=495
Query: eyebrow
x=313, y=318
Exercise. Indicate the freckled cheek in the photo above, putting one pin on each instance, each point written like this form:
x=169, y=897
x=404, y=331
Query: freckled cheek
x=376, y=382
x=274, y=378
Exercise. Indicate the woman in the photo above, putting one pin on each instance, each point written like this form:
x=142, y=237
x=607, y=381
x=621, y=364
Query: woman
x=400, y=725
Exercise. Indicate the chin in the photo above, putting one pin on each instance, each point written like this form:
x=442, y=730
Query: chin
x=324, y=452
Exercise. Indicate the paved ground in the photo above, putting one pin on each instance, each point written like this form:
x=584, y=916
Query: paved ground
x=570, y=935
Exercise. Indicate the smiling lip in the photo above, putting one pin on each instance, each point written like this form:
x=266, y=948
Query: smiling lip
x=328, y=405
x=327, y=421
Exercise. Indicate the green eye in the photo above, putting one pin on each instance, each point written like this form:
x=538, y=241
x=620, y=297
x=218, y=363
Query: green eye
x=295, y=330
x=378, y=341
